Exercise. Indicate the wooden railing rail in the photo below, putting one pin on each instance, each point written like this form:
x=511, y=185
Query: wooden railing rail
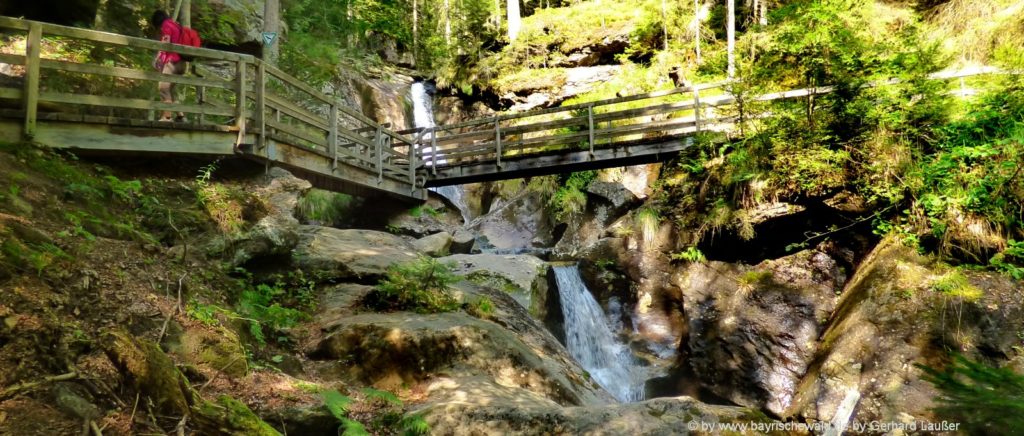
x=237, y=92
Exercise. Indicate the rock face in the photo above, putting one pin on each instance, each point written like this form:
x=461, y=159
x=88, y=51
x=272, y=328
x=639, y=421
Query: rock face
x=753, y=330
x=508, y=349
x=479, y=408
x=578, y=80
x=435, y=245
x=278, y=231
x=519, y=223
x=889, y=320
x=522, y=276
x=336, y=254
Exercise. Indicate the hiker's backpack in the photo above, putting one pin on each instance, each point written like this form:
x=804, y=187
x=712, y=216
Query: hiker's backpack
x=189, y=36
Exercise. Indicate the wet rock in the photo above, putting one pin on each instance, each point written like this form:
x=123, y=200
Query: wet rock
x=753, y=330
x=462, y=242
x=889, y=320
x=419, y=222
x=508, y=349
x=519, y=273
x=521, y=222
x=337, y=254
x=435, y=245
x=474, y=407
x=278, y=231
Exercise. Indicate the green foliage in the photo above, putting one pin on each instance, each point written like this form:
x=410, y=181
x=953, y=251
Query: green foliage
x=419, y=210
x=648, y=220
x=421, y=286
x=275, y=307
x=751, y=278
x=690, y=254
x=983, y=399
x=955, y=284
x=326, y=207
x=388, y=398
x=570, y=200
x=204, y=313
x=1010, y=260
x=338, y=405
x=480, y=307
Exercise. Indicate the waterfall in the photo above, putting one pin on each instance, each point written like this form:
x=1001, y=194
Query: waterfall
x=423, y=117
x=590, y=340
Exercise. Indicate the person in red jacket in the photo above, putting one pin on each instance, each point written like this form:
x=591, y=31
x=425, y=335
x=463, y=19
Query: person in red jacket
x=168, y=62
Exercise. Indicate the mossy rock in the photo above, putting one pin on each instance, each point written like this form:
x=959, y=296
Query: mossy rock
x=152, y=372
x=219, y=349
x=228, y=416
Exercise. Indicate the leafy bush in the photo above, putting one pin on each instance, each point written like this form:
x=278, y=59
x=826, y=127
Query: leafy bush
x=983, y=399
x=276, y=307
x=570, y=200
x=325, y=207
x=421, y=286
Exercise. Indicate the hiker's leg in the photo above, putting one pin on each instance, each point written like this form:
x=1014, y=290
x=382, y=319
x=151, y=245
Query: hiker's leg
x=167, y=89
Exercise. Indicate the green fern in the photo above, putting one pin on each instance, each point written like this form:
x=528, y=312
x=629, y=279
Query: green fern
x=384, y=396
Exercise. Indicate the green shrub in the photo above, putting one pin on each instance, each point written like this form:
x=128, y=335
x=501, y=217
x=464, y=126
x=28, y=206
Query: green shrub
x=421, y=286
x=983, y=399
x=325, y=207
x=276, y=307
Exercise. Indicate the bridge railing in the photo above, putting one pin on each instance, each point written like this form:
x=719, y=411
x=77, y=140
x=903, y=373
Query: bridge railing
x=617, y=122
x=584, y=126
x=79, y=75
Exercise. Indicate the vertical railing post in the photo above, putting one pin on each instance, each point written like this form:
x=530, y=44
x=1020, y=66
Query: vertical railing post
x=35, y=35
x=433, y=150
x=332, y=135
x=590, y=126
x=240, y=101
x=261, y=104
x=412, y=166
x=201, y=99
x=696, y=108
x=378, y=140
x=497, y=140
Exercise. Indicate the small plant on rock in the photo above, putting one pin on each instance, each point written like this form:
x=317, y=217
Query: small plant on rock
x=421, y=286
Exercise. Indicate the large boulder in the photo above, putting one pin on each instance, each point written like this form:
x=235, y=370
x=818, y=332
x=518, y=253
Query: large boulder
x=891, y=319
x=509, y=348
x=753, y=330
x=278, y=231
x=522, y=276
x=519, y=223
x=435, y=245
x=342, y=254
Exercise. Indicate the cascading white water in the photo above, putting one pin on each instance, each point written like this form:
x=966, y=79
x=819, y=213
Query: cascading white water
x=423, y=117
x=590, y=340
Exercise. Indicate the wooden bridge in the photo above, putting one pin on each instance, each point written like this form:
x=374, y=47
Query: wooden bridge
x=90, y=99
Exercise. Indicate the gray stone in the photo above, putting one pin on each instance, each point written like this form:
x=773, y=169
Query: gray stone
x=462, y=242
x=277, y=232
x=753, y=330
x=435, y=245
x=329, y=253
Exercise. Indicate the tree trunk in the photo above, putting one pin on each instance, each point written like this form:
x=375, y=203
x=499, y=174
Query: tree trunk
x=664, y=24
x=696, y=29
x=762, y=13
x=186, y=13
x=447, y=23
x=497, y=14
x=731, y=36
x=271, y=23
x=415, y=29
x=101, y=9
x=514, y=23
